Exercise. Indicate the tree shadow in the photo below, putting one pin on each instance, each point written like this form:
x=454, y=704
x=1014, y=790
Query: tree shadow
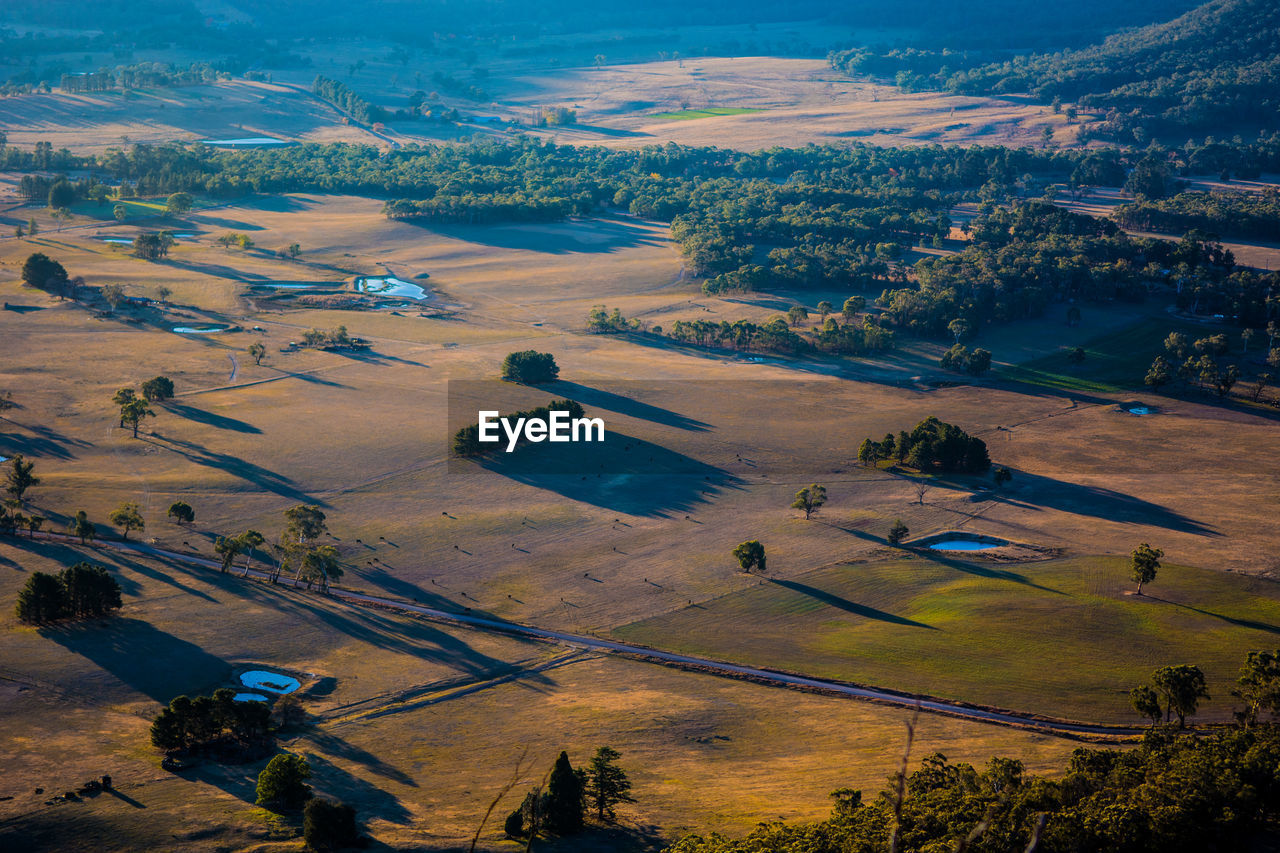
x=598, y=235
x=367, y=798
x=344, y=749
x=841, y=603
x=632, y=408
x=982, y=571
x=1251, y=624
x=148, y=660
x=202, y=416
x=621, y=473
x=255, y=474
x=42, y=442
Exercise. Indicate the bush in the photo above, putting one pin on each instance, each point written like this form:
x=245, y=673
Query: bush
x=530, y=367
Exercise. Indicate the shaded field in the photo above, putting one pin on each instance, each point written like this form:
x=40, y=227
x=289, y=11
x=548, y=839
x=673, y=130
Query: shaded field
x=707, y=112
x=1059, y=638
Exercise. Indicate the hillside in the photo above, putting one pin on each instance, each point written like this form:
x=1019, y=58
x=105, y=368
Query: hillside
x=1215, y=67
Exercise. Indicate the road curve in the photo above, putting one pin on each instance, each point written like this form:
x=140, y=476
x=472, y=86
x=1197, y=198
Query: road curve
x=701, y=664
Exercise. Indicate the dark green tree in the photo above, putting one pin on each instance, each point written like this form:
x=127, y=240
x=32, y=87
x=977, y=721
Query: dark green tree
x=89, y=591
x=127, y=517
x=181, y=512
x=134, y=412
x=1146, y=702
x=1144, y=562
x=61, y=194
x=81, y=526
x=898, y=532
x=750, y=555
x=1258, y=686
x=607, y=783
x=564, y=798
x=158, y=390
x=1182, y=687
x=810, y=499
x=530, y=367
x=283, y=782
x=327, y=825
x=41, y=599
x=20, y=478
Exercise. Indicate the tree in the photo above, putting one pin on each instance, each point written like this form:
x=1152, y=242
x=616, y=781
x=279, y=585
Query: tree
x=89, y=591
x=120, y=212
x=607, y=783
x=960, y=328
x=564, y=798
x=282, y=782
x=158, y=390
x=61, y=194
x=1245, y=337
x=181, y=512
x=249, y=540
x=41, y=599
x=327, y=825
x=1182, y=688
x=133, y=413
x=320, y=565
x=1076, y=355
x=1146, y=702
x=825, y=308
x=979, y=362
x=122, y=396
x=81, y=526
x=1161, y=373
x=127, y=517
x=868, y=452
x=228, y=548
x=898, y=532
x=61, y=216
x=257, y=352
x=530, y=367
x=810, y=499
x=1001, y=476
x=750, y=555
x=42, y=272
x=1144, y=562
x=1259, y=686
x=20, y=478
x=178, y=204
x=853, y=306
x=114, y=295
x=34, y=523
x=33, y=227
x=797, y=314
x=163, y=293
x=294, y=250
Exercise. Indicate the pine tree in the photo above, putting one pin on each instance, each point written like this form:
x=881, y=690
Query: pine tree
x=41, y=600
x=564, y=798
x=607, y=783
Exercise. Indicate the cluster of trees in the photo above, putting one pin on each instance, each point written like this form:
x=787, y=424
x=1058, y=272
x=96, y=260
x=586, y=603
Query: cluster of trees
x=1205, y=364
x=152, y=247
x=342, y=97
x=144, y=75
x=43, y=273
x=467, y=443
x=603, y=321
x=1244, y=215
x=134, y=409
x=336, y=338
x=82, y=591
x=571, y=795
x=213, y=724
x=530, y=367
x=962, y=360
x=931, y=446
x=778, y=336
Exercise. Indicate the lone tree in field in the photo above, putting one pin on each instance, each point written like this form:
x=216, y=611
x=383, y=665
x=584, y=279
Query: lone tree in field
x=20, y=478
x=1001, y=476
x=81, y=526
x=1144, y=562
x=158, y=390
x=127, y=517
x=607, y=783
x=178, y=204
x=257, y=352
x=43, y=273
x=750, y=555
x=810, y=499
x=564, y=798
x=1182, y=687
x=283, y=782
x=122, y=396
x=134, y=412
x=898, y=532
x=327, y=825
x=181, y=512
x=1146, y=702
x=530, y=367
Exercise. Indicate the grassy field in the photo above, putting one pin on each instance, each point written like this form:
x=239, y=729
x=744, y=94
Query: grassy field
x=707, y=112
x=405, y=722
x=1061, y=638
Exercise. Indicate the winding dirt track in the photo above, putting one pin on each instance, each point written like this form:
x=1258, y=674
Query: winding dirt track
x=758, y=675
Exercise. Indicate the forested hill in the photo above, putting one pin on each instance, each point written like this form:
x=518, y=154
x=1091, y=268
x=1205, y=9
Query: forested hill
x=1213, y=69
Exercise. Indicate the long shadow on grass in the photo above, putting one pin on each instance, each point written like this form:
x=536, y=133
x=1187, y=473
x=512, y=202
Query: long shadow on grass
x=840, y=603
x=202, y=416
x=344, y=749
x=621, y=473
x=599, y=398
x=255, y=474
x=1034, y=491
x=152, y=662
x=1251, y=624
x=984, y=571
x=551, y=238
x=40, y=442
x=370, y=800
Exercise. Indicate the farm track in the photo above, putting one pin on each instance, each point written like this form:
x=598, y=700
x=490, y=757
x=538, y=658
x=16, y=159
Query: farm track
x=692, y=663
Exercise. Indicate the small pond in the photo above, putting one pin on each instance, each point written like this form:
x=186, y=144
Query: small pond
x=249, y=697
x=246, y=142
x=962, y=545
x=390, y=286
x=192, y=330
x=1142, y=410
x=119, y=241
x=272, y=682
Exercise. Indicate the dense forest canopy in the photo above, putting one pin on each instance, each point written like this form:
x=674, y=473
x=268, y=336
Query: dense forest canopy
x=1215, y=67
